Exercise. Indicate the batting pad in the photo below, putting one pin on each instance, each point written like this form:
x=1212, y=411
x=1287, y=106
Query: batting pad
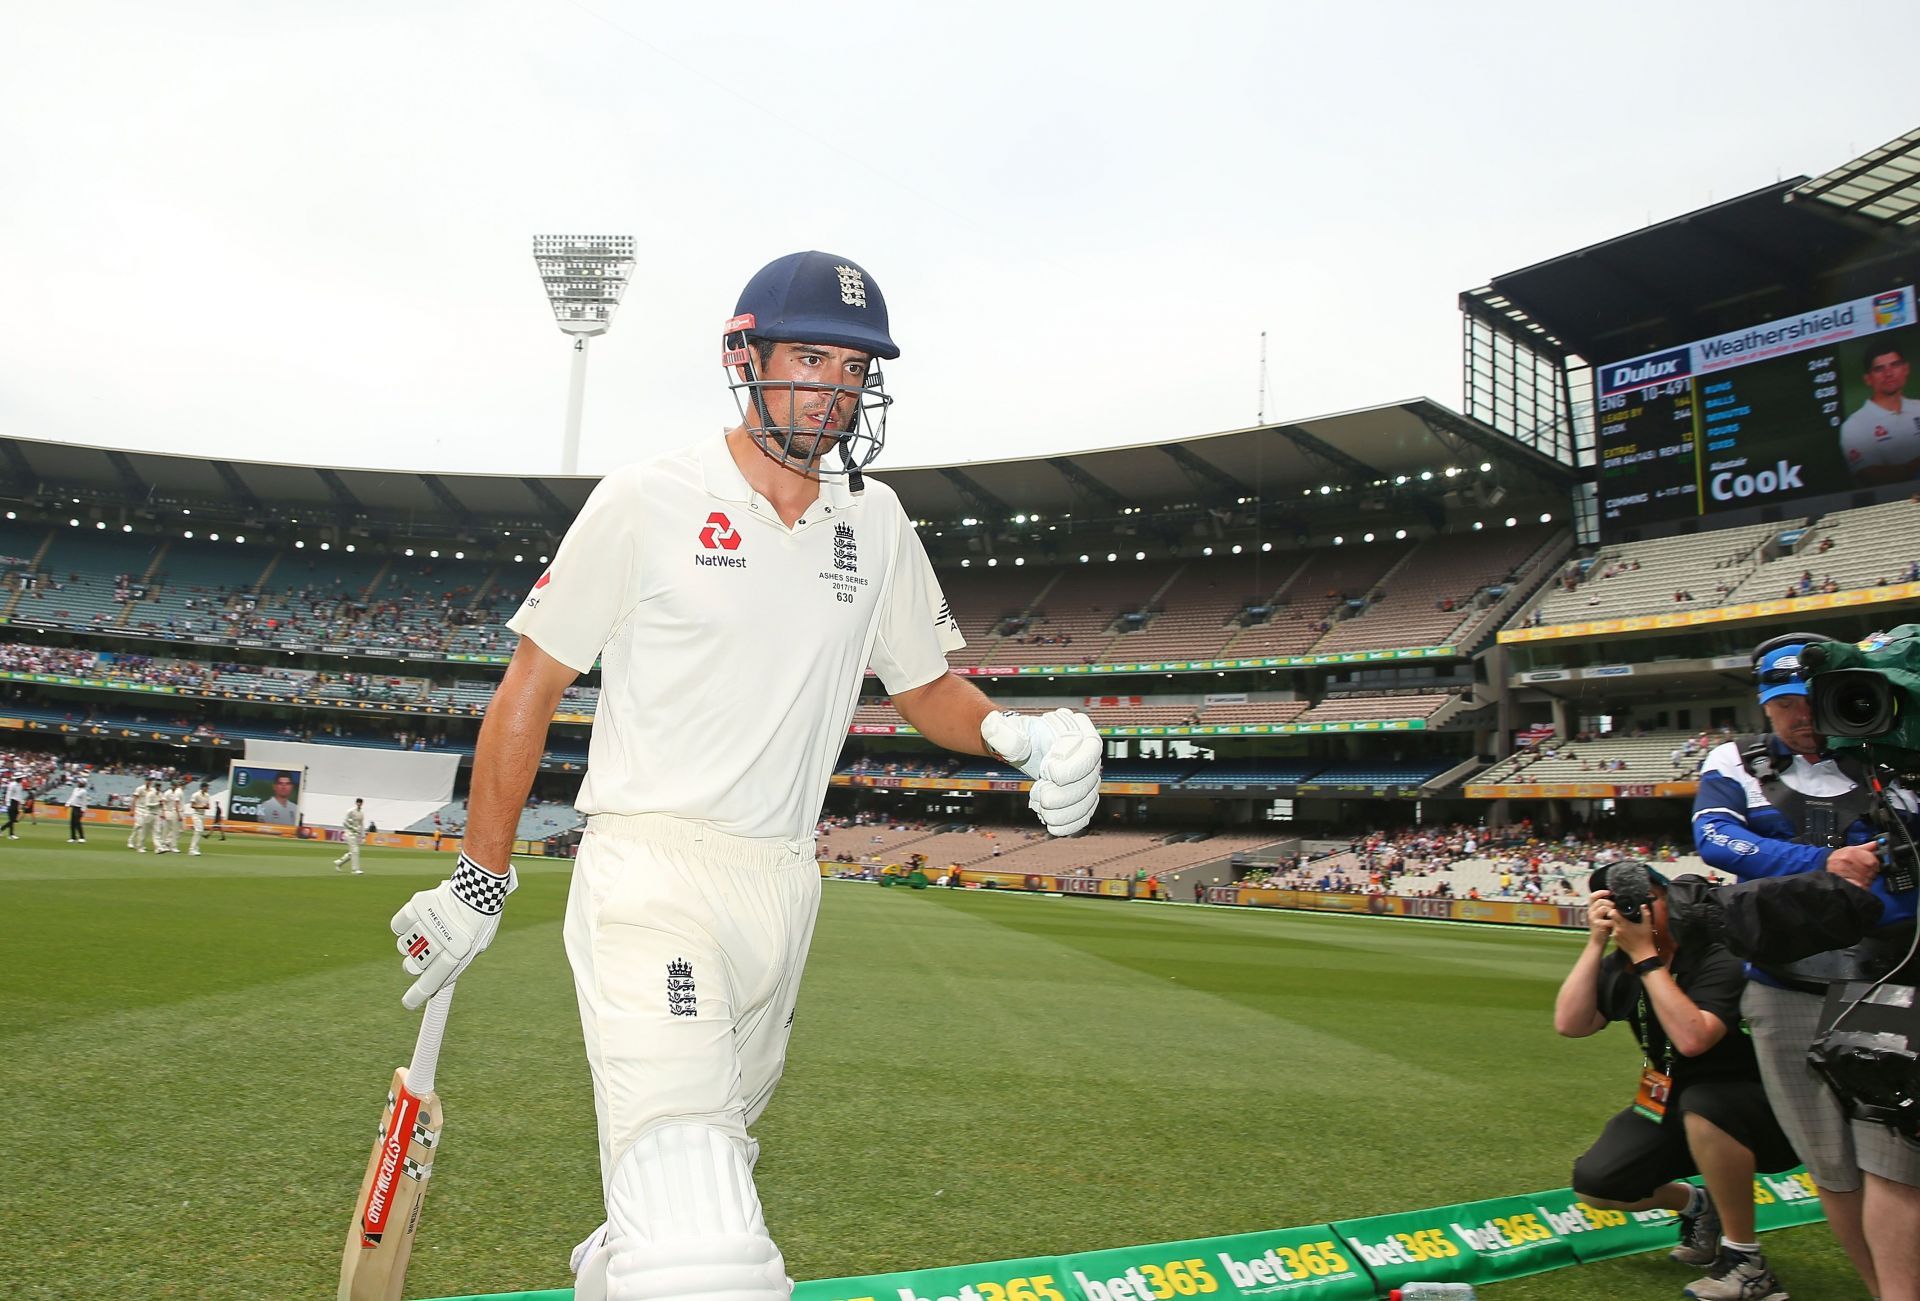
x=684, y=1221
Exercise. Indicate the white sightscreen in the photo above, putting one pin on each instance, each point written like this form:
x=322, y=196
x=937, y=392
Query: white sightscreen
x=399, y=786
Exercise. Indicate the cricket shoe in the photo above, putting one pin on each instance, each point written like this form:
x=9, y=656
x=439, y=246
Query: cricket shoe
x=194, y=853
x=1737, y=1276
x=1699, y=1236
x=358, y=872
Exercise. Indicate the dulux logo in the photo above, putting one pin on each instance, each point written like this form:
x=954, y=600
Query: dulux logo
x=1656, y=369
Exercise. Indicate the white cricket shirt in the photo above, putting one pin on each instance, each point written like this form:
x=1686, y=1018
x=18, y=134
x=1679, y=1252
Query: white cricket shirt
x=1874, y=436
x=731, y=647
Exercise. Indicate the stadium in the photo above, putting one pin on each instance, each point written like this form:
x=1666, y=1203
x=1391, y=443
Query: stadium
x=1393, y=664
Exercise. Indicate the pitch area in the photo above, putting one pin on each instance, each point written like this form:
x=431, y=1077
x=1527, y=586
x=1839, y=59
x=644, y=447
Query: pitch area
x=195, y=1053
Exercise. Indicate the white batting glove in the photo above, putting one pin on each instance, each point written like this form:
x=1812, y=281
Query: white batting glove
x=1060, y=750
x=441, y=930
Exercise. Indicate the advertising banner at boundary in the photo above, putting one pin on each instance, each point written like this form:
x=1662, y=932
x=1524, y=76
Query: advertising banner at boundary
x=1477, y=1242
x=1203, y=729
x=1474, y=1242
x=1277, y=1262
x=1506, y=912
x=1038, y=1279
x=1581, y=790
x=1724, y=614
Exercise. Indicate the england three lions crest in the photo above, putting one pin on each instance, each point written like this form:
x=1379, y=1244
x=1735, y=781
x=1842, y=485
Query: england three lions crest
x=683, y=999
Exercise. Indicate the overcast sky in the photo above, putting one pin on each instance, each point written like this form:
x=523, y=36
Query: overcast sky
x=301, y=232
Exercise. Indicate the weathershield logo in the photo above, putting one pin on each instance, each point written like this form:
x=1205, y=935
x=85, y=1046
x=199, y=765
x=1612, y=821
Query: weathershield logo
x=719, y=538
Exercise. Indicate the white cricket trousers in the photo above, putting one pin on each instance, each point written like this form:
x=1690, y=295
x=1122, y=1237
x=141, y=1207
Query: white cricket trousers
x=142, y=831
x=352, y=854
x=687, y=948
x=199, y=821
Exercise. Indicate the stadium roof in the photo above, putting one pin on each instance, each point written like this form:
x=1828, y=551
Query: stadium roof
x=1352, y=448
x=1882, y=184
x=1790, y=246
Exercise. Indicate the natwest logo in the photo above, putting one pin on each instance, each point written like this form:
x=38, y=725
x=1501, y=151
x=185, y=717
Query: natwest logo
x=719, y=534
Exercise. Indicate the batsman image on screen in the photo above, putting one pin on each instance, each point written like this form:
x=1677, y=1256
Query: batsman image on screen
x=267, y=796
x=1880, y=437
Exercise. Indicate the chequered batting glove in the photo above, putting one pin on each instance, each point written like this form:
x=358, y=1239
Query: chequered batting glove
x=1060, y=750
x=441, y=930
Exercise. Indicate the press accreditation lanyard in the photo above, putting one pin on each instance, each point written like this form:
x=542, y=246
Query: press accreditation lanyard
x=1656, y=1086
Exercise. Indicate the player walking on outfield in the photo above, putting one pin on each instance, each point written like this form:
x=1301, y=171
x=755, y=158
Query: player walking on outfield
x=169, y=816
x=734, y=594
x=198, y=808
x=352, y=828
x=145, y=806
x=16, y=796
x=77, y=802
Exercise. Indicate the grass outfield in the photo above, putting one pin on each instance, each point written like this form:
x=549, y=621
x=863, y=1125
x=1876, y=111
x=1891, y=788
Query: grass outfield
x=194, y=1051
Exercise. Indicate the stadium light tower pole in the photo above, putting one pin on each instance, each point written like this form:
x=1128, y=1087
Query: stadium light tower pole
x=584, y=276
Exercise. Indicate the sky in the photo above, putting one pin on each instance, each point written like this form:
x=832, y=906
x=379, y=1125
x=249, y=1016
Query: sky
x=301, y=231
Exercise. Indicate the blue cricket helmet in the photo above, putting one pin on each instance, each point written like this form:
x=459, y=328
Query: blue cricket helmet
x=815, y=297
x=811, y=297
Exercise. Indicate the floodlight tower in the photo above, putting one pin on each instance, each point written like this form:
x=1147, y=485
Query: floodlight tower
x=584, y=276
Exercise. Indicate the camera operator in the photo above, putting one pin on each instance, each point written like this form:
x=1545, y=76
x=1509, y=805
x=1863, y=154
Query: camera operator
x=1701, y=1108
x=1778, y=805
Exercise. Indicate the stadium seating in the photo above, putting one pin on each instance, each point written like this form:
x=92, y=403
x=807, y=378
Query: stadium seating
x=1647, y=757
x=1413, y=772
x=1196, y=614
x=1348, y=709
x=1642, y=578
x=1076, y=617
x=1869, y=546
x=981, y=599
x=198, y=588
x=1440, y=593
x=1305, y=606
x=1258, y=711
x=537, y=822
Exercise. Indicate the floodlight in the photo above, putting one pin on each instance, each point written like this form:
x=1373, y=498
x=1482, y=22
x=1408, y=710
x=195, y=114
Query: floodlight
x=584, y=277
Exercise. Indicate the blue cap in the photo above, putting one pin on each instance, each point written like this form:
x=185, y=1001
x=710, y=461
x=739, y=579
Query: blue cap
x=815, y=297
x=1780, y=673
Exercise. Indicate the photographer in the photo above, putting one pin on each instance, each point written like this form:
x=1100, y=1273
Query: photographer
x=1701, y=1108
x=1779, y=805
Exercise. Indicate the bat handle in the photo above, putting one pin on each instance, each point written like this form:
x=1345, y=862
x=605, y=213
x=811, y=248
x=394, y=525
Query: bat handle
x=426, y=1048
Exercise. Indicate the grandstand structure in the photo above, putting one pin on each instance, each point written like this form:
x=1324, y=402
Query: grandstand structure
x=1397, y=612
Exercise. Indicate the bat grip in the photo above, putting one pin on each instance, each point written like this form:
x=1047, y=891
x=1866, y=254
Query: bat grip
x=426, y=1048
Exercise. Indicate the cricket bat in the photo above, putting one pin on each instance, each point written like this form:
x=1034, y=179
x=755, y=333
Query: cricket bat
x=380, y=1239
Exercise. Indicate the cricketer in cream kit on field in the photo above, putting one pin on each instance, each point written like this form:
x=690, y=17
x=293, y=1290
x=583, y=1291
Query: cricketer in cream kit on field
x=734, y=594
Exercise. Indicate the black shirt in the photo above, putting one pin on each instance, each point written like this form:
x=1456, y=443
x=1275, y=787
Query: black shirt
x=1713, y=978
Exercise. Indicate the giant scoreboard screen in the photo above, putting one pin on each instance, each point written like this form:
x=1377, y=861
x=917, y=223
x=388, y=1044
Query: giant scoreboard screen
x=1800, y=407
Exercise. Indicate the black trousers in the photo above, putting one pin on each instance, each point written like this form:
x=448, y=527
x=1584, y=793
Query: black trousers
x=75, y=831
x=1634, y=1155
x=13, y=815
